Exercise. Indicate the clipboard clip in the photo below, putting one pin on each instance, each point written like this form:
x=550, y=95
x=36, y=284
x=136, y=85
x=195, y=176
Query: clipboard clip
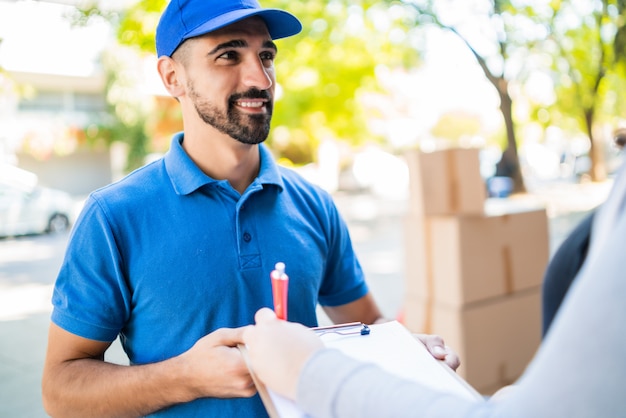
x=350, y=328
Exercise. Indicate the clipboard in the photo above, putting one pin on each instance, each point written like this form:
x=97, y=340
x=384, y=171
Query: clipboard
x=390, y=346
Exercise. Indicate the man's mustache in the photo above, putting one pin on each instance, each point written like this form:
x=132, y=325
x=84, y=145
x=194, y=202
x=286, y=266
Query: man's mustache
x=251, y=94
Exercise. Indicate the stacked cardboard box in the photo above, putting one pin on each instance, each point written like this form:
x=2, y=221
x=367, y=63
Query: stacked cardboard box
x=473, y=277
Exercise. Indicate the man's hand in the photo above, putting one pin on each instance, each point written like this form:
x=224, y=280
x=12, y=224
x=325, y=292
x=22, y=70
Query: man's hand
x=216, y=366
x=78, y=382
x=440, y=351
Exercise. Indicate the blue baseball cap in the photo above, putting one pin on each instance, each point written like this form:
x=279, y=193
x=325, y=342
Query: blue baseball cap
x=184, y=19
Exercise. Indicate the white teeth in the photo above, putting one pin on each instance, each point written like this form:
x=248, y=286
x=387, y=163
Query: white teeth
x=251, y=104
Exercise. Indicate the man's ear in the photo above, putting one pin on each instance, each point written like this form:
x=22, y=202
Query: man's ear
x=171, y=76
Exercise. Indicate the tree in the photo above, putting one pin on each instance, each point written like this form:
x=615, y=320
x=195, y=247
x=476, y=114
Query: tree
x=500, y=34
x=328, y=68
x=321, y=72
x=588, y=41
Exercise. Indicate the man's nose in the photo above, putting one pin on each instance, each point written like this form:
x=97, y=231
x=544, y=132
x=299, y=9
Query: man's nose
x=256, y=74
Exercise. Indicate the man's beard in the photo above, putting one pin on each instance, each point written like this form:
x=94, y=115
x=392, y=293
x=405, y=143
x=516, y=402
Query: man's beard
x=247, y=129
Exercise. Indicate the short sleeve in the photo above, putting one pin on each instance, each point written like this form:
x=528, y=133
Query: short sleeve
x=91, y=298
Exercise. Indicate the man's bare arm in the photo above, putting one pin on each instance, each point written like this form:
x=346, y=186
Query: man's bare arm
x=78, y=382
x=362, y=310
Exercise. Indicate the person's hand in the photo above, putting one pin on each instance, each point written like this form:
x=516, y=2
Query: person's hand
x=278, y=350
x=439, y=350
x=216, y=367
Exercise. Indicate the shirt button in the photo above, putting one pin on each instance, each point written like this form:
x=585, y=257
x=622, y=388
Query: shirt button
x=247, y=237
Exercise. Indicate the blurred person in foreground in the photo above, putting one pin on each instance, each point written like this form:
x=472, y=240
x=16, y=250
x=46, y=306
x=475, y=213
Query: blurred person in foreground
x=568, y=258
x=578, y=371
x=175, y=258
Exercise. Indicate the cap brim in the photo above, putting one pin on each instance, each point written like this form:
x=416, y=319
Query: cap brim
x=280, y=24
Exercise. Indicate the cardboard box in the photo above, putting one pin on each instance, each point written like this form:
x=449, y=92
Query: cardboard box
x=495, y=339
x=465, y=259
x=446, y=182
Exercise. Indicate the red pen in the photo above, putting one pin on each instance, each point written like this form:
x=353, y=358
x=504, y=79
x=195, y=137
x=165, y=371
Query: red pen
x=280, y=285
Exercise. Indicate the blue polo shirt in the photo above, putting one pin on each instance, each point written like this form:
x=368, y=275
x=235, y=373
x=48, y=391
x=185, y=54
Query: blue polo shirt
x=168, y=254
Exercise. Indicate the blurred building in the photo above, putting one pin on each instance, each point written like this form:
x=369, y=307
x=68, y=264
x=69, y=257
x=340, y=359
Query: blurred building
x=43, y=132
x=52, y=88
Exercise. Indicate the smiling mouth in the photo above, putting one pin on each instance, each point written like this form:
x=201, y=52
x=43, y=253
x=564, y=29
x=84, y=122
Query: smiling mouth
x=251, y=104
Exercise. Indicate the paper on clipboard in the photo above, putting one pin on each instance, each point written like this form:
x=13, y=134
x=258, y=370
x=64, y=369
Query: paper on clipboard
x=393, y=348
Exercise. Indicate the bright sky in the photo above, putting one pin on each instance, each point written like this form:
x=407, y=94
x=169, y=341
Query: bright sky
x=450, y=80
x=452, y=77
x=36, y=38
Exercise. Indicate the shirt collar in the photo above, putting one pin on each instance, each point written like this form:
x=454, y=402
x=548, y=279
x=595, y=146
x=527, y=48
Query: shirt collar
x=186, y=176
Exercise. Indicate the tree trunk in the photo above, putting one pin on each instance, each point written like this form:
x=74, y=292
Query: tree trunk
x=509, y=164
x=597, y=172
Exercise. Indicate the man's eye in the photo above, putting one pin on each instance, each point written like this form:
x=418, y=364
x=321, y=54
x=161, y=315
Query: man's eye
x=229, y=55
x=267, y=56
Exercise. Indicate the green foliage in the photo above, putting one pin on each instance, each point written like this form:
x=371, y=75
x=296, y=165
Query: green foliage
x=589, y=60
x=321, y=72
x=581, y=44
x=129, y=113
x=138, y=24
x=324, y=69
x=89, y=11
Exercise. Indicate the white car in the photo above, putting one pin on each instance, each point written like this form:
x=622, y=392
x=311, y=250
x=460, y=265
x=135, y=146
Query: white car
x=29, y=208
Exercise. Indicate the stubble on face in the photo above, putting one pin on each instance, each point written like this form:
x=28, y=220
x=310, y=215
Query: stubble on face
x=245, y=128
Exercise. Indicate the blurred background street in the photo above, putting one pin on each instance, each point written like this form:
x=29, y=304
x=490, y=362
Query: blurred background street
x=77, y=117
x=28, y=266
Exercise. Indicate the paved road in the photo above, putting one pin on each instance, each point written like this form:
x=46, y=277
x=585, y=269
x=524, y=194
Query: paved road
x=27, y=270
x=29, y=265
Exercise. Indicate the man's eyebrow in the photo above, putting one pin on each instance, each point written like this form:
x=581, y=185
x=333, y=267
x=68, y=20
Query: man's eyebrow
x=270, y=45
x=236, y=43
x=239, y=43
